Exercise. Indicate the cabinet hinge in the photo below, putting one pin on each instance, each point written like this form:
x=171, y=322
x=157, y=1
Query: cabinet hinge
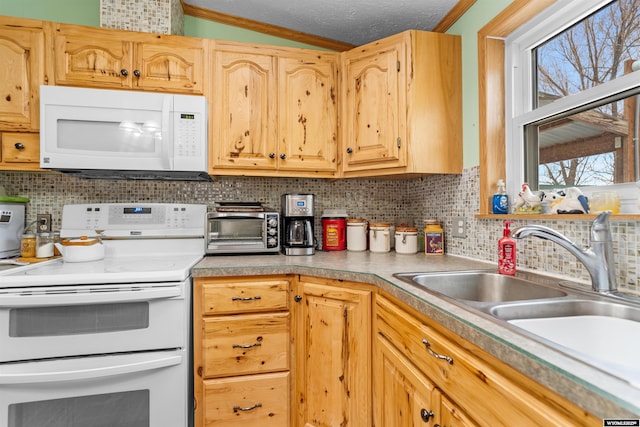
x=399, y=141
x=398, y=65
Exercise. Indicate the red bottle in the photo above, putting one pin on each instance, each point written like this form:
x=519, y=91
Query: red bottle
x=507, y=252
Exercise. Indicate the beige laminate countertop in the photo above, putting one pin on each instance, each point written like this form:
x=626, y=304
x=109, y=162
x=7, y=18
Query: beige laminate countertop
x=602, y=394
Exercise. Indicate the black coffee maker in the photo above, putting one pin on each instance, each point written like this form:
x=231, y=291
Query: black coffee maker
x=297, y=224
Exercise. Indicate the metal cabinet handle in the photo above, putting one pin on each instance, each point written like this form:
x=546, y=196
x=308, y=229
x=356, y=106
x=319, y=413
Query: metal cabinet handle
x=272, y=155
x=283, y=156
x=246, y=345
x=19, y=146
x=427, y=344
x=426, y=414
x=124, y=72
x=349, y=150
x=248, y=408
x=298, y=298
x=136, y=73
x=257, y=297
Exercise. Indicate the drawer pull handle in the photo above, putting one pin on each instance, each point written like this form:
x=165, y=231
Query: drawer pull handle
x=246, y=298
x=248, y=408
x=427, y=344
x=247, y=345
x=426, y=414
x=19, y=146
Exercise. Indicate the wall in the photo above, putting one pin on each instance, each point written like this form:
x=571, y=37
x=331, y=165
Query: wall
x=438, y=197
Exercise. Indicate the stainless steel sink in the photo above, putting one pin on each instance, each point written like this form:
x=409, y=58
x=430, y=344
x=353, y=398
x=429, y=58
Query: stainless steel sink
x=566, y=308
x=480, y=286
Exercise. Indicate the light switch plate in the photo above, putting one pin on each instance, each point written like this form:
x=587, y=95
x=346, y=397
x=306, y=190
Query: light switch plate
x=459, y=226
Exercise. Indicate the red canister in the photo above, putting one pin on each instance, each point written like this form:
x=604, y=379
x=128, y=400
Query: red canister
x=334, y=230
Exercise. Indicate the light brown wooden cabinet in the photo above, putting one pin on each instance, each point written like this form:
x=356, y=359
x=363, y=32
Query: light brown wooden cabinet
x=274, y=111
x=20, y=151
x=476, y=388
x=402, y=106
x=23, y=68
x=116, y=59
x=242, y=351
x=405, y=397
x=333, y=353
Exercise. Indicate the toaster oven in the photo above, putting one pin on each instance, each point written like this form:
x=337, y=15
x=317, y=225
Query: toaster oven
x=242, y=229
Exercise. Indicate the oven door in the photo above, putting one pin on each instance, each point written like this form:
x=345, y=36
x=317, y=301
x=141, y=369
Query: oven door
x=236, y=234
x=59, y=321
x=132, y=390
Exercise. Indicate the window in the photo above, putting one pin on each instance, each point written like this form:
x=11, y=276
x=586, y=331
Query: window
x=572, y=95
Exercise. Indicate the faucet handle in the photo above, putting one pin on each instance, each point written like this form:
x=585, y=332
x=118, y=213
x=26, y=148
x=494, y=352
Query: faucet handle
x=600, y=228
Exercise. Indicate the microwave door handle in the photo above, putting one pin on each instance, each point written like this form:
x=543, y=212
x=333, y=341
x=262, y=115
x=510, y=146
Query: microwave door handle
x=74, y=298
x=167, y=130
x=69, y=370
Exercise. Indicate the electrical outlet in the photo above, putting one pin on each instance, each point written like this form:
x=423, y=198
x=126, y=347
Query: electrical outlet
x=458, y=226
x=44, y=223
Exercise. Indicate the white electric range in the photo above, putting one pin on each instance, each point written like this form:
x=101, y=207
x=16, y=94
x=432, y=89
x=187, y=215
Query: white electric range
x=104, y=342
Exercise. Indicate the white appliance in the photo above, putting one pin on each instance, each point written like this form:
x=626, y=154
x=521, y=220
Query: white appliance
x=11, y=228
x=104, y=343
x=98, y=133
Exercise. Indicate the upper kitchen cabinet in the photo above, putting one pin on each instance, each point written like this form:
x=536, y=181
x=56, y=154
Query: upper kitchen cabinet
x=275, y=111
x=106, y=58
x=402, y=106
x=23, y=68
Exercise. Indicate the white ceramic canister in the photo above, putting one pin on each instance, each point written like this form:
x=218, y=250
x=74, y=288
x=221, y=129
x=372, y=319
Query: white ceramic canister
x=406, y=240
x=356, y=234
x=380, y=237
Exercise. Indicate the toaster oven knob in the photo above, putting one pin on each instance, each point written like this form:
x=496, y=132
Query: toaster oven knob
x=272, y=231
x=272, y=222
x=271, y=242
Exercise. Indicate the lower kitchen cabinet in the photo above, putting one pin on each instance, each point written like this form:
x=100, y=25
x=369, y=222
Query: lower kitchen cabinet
x=405, y=397
x=241, y=331
x=333, y=353
x=476, y=388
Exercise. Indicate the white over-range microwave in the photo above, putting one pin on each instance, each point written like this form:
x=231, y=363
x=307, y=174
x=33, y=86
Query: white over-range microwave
x=99, y=133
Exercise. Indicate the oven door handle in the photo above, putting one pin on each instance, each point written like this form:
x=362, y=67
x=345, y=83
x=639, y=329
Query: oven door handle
x=74, y=298
x=81, y=369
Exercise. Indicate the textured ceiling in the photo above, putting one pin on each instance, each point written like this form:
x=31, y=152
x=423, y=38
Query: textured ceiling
x=349, y=21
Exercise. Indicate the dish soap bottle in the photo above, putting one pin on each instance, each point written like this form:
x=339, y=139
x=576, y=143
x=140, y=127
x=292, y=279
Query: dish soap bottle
x=500, y=201
x=507, y=252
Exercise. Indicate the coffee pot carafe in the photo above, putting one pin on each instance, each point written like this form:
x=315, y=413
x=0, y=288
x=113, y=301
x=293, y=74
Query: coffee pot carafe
x=297, y=217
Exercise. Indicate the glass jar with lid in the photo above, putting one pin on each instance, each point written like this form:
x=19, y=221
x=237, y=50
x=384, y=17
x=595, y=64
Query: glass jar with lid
x=433, y=237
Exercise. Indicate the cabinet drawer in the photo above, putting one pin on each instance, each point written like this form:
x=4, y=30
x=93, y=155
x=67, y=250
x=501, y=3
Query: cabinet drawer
x=245, y=297
x=255, y=400
x=502, y=403
x=21, y=147
x=245, y=344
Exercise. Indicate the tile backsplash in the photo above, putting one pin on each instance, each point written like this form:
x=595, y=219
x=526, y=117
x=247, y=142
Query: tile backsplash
x=149, y=16
x=380, y=199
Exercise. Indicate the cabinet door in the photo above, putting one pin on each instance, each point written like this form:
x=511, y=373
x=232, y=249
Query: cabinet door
x=333, y=361
x=403, y=396
x=21, y=74
x=452, y=416
x=244, y=110
x=92, y=57
x=173, y=64
x=20, y=151
x=307, y=113
x=375, y=116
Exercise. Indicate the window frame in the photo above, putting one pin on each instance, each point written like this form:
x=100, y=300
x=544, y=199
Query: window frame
x=519, y=81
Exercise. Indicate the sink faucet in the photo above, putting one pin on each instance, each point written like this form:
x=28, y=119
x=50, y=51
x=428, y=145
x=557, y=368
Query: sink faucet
x=598, y=259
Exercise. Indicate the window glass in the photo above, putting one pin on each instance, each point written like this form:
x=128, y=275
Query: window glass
x=590, y=52
x=574, y=96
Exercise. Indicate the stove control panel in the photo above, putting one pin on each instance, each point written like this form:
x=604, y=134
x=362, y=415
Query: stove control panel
x=133, y=220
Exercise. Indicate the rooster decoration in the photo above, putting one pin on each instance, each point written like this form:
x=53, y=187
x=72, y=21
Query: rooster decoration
x=528, y=201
